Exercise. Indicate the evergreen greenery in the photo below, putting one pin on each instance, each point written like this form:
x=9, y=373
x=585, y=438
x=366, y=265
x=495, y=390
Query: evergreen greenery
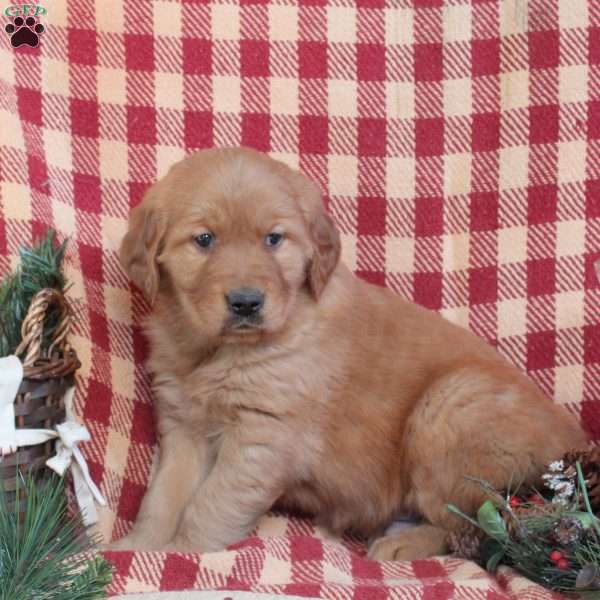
x=41, y=267
x=45, y=555
x=551, y=542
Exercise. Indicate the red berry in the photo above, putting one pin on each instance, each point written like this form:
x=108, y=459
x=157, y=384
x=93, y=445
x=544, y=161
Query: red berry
x=514, y=501
x=556, y=555
x=563, y=564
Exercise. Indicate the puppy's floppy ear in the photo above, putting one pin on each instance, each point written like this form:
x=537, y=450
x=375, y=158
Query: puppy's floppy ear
x=140, y=246
x=325, y=238
x=326, y=250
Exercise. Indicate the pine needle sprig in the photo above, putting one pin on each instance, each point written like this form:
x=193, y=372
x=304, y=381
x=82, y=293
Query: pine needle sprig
x=552, y=543
x=46, y=555
x=40, y=267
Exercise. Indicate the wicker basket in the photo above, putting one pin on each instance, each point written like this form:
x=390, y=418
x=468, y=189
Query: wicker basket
x=46, y=376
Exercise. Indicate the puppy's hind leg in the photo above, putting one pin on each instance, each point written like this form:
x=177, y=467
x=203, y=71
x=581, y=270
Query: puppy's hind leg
x=480, y=422
x=477, y=421
x=415, y=543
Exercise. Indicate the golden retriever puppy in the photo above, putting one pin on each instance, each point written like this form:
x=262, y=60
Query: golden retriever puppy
x=280, y=377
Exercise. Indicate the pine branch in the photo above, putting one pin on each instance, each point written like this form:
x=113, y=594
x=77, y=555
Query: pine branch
x=41, y=267
x=43, y=555
x=550, y=541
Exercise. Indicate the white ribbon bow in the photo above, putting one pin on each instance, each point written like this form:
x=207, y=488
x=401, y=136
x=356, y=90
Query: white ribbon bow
x=11, y=375
x=67, y=434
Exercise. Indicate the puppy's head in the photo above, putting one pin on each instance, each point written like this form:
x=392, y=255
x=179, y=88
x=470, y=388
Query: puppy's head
x=231, y=237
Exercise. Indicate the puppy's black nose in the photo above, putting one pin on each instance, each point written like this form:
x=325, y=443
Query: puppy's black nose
x=245, y=302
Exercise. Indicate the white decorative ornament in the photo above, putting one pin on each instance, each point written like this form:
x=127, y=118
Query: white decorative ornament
x=561, y=483
x=67, y=434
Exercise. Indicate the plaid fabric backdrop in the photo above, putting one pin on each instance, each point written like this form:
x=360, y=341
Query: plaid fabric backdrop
x=457, y=143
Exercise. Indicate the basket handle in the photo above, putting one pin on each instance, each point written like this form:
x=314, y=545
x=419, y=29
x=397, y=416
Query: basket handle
x=32, y=328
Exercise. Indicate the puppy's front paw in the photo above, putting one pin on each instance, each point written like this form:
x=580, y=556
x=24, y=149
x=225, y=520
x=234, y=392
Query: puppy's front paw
x=188, y=544
x=183, y=544
x=133, y=543
x=119, y=545
x=179, y=547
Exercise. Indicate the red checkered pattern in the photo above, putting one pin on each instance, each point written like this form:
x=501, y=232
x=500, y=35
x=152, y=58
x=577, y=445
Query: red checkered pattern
x=457, y=142
x=289, y=557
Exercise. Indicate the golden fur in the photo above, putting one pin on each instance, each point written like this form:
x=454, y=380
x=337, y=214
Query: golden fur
x=346, y=401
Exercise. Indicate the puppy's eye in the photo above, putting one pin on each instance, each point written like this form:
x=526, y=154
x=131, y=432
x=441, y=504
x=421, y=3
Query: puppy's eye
x=272, y=240
x=205, y=240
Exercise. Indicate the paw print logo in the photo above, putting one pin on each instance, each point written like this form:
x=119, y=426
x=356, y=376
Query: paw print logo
x=24, y=32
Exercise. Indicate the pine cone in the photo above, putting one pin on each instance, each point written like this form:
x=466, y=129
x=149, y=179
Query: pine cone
x=590, y=465
x=568, y=531
x=465, y=543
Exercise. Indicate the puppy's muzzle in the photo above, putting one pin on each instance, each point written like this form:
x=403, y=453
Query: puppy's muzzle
x=245, y=303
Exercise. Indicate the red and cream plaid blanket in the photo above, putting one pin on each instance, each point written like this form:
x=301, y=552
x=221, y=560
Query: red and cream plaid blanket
x=458, y=143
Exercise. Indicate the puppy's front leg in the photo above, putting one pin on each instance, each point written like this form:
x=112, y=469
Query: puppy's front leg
x=243, y=485
x=183, y=464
